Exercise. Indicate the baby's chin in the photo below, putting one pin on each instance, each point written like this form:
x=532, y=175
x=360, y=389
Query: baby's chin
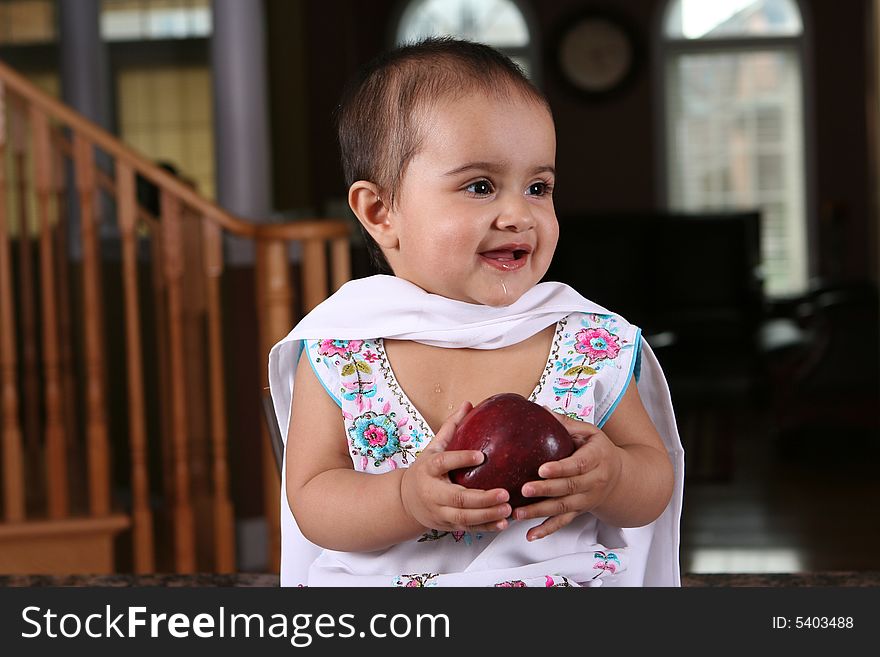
x=504, y=294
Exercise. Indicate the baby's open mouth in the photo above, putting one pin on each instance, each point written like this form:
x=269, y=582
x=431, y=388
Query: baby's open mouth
x=508, y=257
x=505, y=255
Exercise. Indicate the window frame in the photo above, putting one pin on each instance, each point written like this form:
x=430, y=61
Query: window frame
x=664, y=47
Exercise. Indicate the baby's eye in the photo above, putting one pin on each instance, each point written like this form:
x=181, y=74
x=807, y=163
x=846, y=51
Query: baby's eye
x=540, y=189
x=480, y=188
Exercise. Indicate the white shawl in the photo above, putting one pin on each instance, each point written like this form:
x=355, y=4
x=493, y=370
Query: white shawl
x=391, y=307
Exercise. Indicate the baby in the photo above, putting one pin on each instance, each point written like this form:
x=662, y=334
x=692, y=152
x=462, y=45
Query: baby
x=449, y=153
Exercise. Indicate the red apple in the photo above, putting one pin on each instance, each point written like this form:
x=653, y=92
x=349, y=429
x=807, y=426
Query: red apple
x=517, y=436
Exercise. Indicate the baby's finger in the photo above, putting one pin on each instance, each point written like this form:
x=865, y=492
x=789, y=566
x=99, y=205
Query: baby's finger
x=444, y=434
x=559, y=488
x=496, y=526
x=579, y=463
x=550, y=525
x=465, y=519
x=551, y=506
x=577, y=428
x=459, y=497
x=441, y=463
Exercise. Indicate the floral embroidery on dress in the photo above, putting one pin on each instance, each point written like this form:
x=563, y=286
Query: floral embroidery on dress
x=587, y=349
x=377, y=435
x=415, y=581
x=357, y=383
x=557, y=581
x=605, y=563
x=581, y=415
x=344, y=348
x=458, y=536
x=597, y=344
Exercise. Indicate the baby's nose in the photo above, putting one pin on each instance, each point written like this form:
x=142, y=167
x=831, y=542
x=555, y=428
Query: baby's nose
x=516, y=217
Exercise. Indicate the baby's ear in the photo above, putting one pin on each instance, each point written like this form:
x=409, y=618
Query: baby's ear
x=373, y=211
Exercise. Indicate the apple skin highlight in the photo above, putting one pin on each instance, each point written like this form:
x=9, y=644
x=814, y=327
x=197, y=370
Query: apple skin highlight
x=516, y=436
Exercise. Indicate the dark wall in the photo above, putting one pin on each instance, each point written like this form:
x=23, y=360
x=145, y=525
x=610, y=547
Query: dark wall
x=607, y=150
x=843, y=187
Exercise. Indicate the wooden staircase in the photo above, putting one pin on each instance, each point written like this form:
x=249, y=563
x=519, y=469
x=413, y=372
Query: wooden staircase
x=65, y=506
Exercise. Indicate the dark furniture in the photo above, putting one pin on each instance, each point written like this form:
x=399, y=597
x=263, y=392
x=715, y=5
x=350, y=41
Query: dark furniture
x=271, y=421
x=692, y=283
x=831, y=375
x=696, y=275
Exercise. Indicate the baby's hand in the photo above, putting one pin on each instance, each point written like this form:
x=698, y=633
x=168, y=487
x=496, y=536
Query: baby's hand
x=435, y=502
x=575, y=484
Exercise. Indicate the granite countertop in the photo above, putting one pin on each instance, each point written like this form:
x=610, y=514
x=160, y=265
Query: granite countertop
x=838, y=578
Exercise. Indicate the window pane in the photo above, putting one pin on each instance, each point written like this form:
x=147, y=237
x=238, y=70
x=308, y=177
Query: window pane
x=498, y=23
x=128, y=20
x=736, y=142
x=708, y=19
x=27, y=21
x=165, y=113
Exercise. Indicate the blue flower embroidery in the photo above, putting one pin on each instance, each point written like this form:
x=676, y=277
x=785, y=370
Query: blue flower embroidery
x=563, y=364
x=374, y=436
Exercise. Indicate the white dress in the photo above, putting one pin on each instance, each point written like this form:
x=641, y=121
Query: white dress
x=593, y=357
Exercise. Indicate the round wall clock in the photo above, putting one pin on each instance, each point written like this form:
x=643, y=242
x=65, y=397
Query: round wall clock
x=596, y=53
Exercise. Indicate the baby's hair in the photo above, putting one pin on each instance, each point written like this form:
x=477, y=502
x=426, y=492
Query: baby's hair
x=378, y=117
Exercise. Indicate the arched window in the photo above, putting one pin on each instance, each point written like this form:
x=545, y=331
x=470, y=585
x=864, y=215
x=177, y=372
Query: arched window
x=498, y=23
x=734, y=122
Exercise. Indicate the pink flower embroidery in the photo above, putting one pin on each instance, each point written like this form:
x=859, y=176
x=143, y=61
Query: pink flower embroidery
x=414, y=581
x=585, y=411
x=376, y=436
x=609, y=562
x=340, y=347
x=597, y=344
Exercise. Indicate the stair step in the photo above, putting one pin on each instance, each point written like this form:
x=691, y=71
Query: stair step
x=51, y=547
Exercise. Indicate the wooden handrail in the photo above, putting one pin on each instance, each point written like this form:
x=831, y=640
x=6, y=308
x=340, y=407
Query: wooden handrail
x=297, y=230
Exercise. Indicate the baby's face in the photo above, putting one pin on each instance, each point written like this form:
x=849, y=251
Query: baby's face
x=475, y=210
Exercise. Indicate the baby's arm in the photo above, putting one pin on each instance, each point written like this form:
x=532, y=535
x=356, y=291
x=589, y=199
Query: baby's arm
x=620, y=473
x=339, y=508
